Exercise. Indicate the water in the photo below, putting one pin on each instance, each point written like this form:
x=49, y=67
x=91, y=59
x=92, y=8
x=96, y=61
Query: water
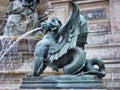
x=6, y=49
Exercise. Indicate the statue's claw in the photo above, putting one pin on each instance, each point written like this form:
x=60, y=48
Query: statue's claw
x=30, y=75
x=81, y=74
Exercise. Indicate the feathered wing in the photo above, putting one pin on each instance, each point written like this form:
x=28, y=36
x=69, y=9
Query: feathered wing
x=69, y=33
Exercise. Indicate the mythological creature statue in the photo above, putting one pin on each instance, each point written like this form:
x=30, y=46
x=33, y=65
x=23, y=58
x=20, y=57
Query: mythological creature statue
x=63, y=47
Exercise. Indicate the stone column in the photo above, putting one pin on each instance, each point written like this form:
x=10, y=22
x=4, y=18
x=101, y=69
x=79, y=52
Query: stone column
x=115, y=15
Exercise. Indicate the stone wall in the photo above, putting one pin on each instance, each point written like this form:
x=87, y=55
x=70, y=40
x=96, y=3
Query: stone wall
x=17, y=62
x=3, y=8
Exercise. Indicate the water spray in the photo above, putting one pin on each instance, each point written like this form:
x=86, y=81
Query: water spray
x=21, y=37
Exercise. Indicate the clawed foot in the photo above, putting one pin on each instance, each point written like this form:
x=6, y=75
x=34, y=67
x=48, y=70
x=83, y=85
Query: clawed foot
x=30, y=75
x=81, y=74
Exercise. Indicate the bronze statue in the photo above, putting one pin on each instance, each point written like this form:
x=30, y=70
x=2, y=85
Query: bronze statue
x=63, y=47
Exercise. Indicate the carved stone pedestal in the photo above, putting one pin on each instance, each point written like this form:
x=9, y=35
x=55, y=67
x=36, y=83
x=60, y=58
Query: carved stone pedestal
x=63, y=82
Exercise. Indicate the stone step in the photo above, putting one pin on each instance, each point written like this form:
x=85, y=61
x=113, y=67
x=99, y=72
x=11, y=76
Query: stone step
x=63, y=86
x=63, y=82
x=63, y=77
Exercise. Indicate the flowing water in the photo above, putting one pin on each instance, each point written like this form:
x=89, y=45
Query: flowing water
x=5, y=49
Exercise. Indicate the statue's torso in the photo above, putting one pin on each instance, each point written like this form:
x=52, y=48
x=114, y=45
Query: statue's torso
x=49, y=39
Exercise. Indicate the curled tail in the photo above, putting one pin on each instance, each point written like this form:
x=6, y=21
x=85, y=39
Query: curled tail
x=90, y=69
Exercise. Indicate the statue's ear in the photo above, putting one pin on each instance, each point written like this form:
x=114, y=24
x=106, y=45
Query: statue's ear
x=60, y=23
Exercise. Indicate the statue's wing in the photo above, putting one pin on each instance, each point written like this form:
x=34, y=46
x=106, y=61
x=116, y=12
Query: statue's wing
x=69, y=34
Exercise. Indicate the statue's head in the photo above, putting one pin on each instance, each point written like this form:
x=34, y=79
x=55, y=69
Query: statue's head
x=52, y=24
x=29, y=1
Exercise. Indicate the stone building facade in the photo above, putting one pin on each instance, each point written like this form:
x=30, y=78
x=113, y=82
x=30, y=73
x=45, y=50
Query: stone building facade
x=103, y=17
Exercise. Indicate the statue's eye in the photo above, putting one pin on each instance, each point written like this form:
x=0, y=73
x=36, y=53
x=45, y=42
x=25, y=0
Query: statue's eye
x=53, y=20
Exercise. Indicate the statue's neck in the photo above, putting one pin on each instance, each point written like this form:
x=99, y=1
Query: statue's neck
x=53, y=34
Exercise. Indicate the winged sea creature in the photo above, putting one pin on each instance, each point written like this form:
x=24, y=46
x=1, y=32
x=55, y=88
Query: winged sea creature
x=63, y=46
